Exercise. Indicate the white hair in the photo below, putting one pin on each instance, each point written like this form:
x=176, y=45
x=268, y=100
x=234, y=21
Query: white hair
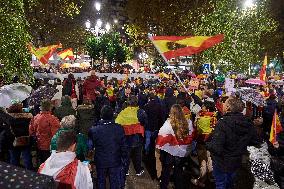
x=68, y=121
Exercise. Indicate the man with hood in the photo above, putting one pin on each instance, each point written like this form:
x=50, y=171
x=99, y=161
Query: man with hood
x=229, y=141
x=90, y=87
x=65, y=109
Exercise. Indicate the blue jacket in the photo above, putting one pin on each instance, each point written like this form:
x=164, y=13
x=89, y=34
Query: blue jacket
x=108, y=139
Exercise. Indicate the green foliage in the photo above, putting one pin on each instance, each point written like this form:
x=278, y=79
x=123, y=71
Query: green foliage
x=54, y=21
x=243, y=30
x=107, y=46
x=14, y=37
x=247, y=32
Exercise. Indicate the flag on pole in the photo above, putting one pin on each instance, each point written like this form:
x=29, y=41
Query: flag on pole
x=262, y=74
x=43, y=53
x=275, y=128
x=184, y=45
x=67, y=53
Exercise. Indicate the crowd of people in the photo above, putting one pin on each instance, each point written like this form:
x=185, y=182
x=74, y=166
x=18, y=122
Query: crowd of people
x=96, y=125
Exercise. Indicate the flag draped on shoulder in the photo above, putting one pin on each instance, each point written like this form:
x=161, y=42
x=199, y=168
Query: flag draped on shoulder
x=168, y=142
x=43, y=53
x=262, y=74
x=174, y=46
x=67, y=53
x=275, y=128
x=128, y=118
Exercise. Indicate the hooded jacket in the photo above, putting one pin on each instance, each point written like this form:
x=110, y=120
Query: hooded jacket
x=90, y=87
x=229, y=141
x=65, y=109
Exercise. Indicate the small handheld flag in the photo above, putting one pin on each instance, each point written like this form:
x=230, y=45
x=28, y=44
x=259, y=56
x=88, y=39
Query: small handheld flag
x=262, y=74
x=43, y=53
x=275, y=128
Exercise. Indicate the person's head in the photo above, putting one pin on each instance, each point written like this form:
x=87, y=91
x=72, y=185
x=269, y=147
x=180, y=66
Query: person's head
x=68, y=122
x=46, y=105
x=152, y=96
x=132, y=101
x=93, y=73
x=178, y=122
x=208, y=106
x=181, y=102
x=66, y=101
x=71, y=76
x=66, y=141
x=233, y=105
x=15, y=108
x=107, y=113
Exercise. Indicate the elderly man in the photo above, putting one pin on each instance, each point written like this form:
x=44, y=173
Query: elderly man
x=229, y=141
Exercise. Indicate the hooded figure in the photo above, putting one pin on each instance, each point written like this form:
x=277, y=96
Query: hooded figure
x=65, y=109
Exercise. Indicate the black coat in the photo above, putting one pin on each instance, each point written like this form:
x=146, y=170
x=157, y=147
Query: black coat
x=229, y=141
x=109, y=142
x=277, y=161
x=154, y=113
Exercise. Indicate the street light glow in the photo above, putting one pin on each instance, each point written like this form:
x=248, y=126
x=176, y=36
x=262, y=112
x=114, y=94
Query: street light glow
x=88, y=24
x=98, y=6
x=249, y=4
x=107, y=26
x=99, y=23
x=115, y=21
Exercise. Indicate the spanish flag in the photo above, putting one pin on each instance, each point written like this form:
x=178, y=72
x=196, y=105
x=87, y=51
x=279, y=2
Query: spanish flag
x=43, y=53
x=262, y=74
x=275, y=128
x=129, y=120
x=174, y=46
x=67, y=53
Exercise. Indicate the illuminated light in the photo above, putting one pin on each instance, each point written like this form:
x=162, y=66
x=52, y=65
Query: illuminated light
x=107, y=26
x=98, y=6
x=88, y=24
x=99, y=23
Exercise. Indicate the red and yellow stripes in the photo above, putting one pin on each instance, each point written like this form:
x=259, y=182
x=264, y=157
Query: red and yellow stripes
x=275, y=128
x=129, y=120
x=194, y=44
x=43, y=53
x=262, y=75
x=67, y=53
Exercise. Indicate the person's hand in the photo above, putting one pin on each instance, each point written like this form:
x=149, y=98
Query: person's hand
x=276, y=145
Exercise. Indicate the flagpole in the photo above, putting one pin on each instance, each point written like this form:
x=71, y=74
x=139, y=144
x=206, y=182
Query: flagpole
x=151, y=38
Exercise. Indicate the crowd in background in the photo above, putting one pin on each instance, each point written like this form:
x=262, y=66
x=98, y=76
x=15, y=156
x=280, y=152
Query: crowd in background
x=112, y=123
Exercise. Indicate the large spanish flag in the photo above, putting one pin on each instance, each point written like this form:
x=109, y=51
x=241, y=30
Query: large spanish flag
x=43, y=53
x=275, y=128
x=174, y=46
x=67, y=53
x=129, y=120
x=262, y=74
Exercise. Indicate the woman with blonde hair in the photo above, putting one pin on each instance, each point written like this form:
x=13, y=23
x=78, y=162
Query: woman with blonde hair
x=173, y=140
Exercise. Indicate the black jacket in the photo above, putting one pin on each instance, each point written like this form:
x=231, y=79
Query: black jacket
x=277, y=161
x=229, y=141
x=169, y=101
x=108, y=139
x=154, y=113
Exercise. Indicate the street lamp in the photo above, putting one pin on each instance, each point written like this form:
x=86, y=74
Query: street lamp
x=107, y=27
x=88, y=24
x=99, y=23
x=249, y=4
x=115, y=21
x=98, y=6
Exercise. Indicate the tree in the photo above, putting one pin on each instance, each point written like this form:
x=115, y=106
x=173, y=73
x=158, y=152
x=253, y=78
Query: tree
x=243, y=30
x=54, y=21
x=107, y=46
x=14, y=36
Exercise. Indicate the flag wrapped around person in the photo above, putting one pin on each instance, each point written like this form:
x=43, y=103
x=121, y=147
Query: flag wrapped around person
x=168, y=142
x=65, y=168
x=184, y=45
x=128, y=118
x=43, y=53
x=275, y=128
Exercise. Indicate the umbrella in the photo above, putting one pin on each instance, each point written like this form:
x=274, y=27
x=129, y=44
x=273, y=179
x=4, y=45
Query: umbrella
x=251, y=95
x=15, y=91
x=43, y=92
x=241, y=76
x=255, y=82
